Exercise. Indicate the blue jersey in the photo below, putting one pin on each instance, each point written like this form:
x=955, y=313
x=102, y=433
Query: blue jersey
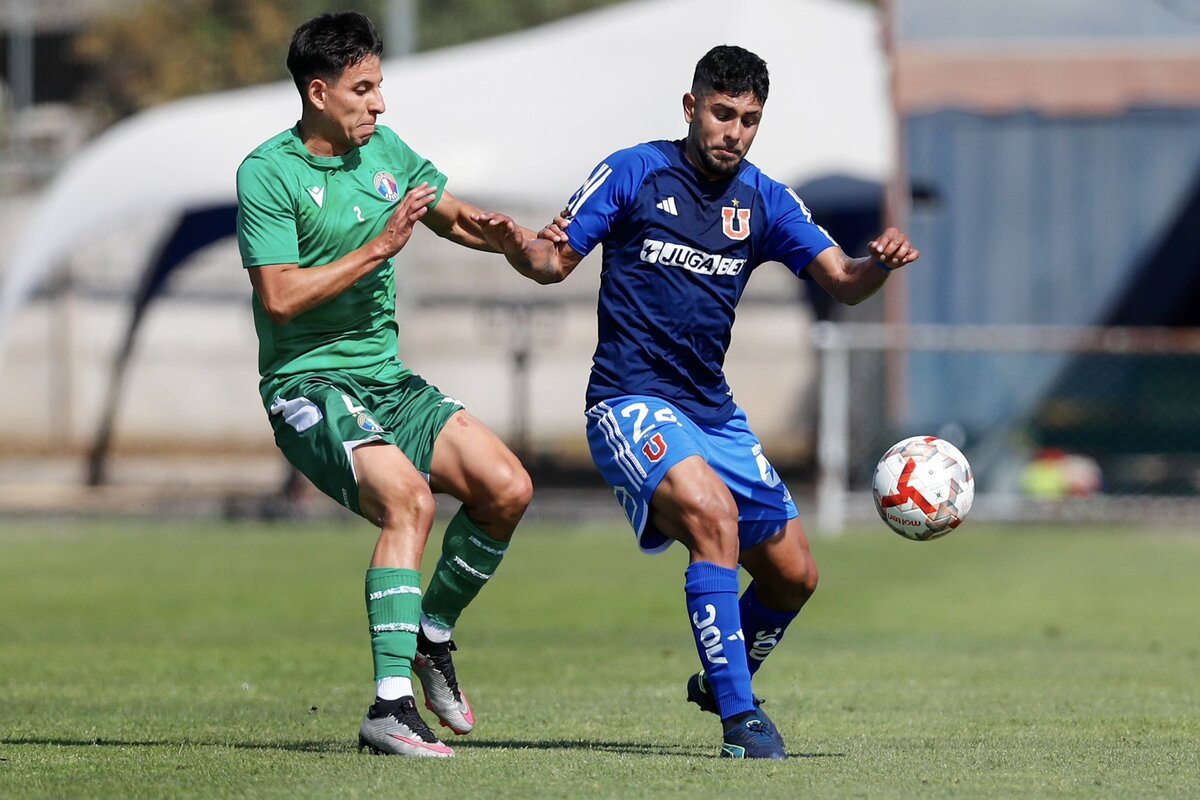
x=678, y=250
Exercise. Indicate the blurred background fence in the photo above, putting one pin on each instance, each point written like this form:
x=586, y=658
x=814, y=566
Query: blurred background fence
x=1072, y=423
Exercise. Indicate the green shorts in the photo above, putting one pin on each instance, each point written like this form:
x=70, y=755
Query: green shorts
x=319, y=419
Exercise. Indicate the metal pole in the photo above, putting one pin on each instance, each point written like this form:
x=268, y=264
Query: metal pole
x=521, y=345
x=897, y=208
x=64, y=366
x=20, y=53
x=833, y=429
x=20, y=77
x=400, y=28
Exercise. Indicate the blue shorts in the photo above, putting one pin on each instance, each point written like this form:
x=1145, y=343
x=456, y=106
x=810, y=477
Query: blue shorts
x=636, y=439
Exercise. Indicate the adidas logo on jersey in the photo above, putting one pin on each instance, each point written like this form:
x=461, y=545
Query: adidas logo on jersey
x=668, y=206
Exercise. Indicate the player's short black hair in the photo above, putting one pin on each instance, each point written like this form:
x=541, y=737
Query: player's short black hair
x=327, y=44
x=732, y=70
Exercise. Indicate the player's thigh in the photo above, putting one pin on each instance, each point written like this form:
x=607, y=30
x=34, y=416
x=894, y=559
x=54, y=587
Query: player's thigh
x=414, y=412
x=783, y=567
x=637, y=442
x=472, y=464
x=764, y=504
x=692, y=505
x=391, y=492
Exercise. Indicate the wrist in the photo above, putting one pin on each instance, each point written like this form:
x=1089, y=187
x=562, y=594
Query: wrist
x=377, y=252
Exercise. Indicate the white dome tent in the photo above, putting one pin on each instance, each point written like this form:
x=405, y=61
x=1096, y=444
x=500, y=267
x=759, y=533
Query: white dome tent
x=516, y=122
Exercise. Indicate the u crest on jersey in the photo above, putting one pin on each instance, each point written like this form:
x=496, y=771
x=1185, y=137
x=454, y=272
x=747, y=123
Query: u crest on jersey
x=740, y=216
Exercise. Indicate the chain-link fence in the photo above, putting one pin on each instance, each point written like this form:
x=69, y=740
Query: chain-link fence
x=1058, y=422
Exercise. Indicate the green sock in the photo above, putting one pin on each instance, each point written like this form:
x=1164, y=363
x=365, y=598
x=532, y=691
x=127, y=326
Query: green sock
x=469, y=558
x=394, y=612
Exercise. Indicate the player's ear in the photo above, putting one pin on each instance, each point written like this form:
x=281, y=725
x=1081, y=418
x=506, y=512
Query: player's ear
x=317, y=89
x=689, y=107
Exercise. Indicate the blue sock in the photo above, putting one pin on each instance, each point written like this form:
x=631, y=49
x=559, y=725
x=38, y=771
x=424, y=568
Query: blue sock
x=763, y=627
x=713, y=610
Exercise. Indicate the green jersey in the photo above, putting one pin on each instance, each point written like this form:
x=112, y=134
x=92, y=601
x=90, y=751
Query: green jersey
x=297, y=208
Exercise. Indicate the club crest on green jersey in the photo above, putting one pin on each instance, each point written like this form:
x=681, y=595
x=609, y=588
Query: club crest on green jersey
x=387, y=187
x=367, y=423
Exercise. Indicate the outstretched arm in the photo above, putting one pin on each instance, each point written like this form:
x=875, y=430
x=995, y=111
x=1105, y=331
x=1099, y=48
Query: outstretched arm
x=459, y=221
x=545, y=259
x=852, y=280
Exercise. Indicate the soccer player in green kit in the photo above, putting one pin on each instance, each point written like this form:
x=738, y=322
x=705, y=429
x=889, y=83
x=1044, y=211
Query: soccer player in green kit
x=323, y=208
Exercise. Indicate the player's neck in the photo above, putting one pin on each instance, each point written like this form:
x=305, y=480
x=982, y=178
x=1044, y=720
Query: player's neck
x=697, y=163
x=317, y=142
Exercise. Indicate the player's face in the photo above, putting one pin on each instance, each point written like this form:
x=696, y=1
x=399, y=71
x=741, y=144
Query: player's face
x=351, y=104
x=720, y=131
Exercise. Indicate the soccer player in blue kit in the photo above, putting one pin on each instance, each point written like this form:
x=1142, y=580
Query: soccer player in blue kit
x=683, y=223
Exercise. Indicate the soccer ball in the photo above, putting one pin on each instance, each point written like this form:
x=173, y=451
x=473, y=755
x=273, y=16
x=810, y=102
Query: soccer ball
x=923, y=487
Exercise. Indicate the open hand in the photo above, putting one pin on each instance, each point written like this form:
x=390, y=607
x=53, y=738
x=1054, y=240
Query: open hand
x=399, y=227
x=499, y=231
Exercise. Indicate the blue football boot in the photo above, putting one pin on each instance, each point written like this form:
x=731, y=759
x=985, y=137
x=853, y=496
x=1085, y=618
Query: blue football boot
x=753, y=735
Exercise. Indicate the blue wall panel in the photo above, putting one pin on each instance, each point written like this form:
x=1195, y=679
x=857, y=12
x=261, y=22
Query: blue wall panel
x=1027, y=219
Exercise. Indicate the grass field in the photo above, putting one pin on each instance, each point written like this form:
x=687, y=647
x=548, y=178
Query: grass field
x=218, y=660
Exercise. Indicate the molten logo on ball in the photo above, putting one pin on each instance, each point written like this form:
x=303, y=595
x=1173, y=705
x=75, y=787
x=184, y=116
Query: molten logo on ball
x=923, y=487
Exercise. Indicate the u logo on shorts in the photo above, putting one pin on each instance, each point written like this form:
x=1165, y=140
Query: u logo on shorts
x=656, y=448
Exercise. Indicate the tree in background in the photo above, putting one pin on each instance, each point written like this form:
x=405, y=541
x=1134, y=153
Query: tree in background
x=449, y=22
x=161, y=50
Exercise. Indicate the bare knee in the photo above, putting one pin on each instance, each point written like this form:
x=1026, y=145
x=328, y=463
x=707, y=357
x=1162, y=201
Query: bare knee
x=512, y=492
x=404, y=514
x=499, y=502
x=705, y=522
x=785, y=573
x=509, y=490
x=716, y=545
x=807, y=579
x=789, y=587
x=391, y=493
x=406, y=507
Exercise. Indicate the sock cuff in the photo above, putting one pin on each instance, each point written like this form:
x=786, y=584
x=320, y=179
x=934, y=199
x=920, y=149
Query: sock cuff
x=463, y=525
x=702, y=577
x=379, y=578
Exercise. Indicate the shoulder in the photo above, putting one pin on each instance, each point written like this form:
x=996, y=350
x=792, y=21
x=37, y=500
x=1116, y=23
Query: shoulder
x=387, y=139
x=788, y=219
x=624, y=171
x=269, y=175
x=644, y=157
x=269, y=157
x=273, y=149
x=387, y=148
x=758, y=180
x=386, y=136
x=777, y=197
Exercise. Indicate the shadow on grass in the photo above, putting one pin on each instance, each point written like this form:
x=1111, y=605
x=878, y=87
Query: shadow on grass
x=623, y=748
x=298, y=747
